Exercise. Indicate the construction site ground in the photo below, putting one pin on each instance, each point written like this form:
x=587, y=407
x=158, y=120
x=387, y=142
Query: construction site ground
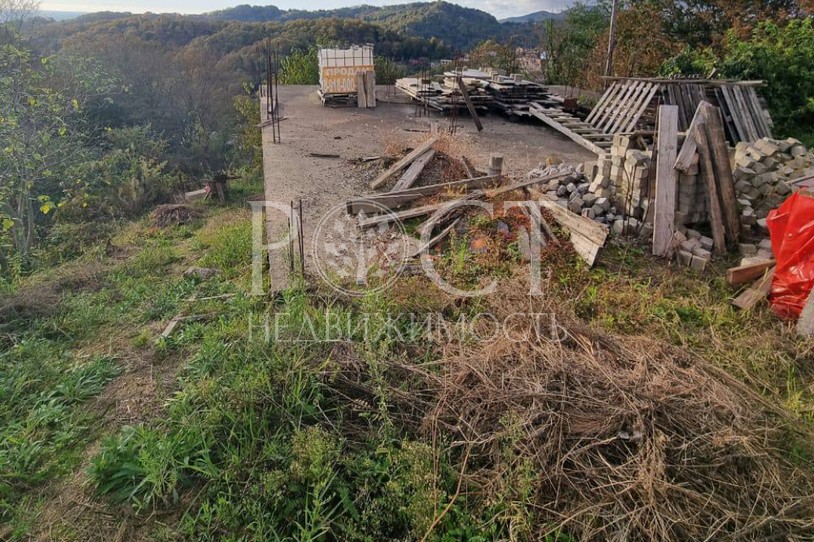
x=393, y=126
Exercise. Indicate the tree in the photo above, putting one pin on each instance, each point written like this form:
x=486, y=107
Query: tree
x=42, y=137
x=300, y=68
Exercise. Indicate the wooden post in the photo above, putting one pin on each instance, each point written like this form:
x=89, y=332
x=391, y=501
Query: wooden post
x=495, y=164
x=708, y=173
x=370, y=88
x=361, y=95
x=611, y=38
x=723, y=170
x=666, y=180
x=469, y=105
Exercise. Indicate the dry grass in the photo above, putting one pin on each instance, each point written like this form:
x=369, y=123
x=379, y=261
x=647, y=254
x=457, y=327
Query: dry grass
x=631, y=438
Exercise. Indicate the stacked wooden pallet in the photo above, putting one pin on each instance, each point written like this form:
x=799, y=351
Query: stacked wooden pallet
x=444, y=97
x=630, y=104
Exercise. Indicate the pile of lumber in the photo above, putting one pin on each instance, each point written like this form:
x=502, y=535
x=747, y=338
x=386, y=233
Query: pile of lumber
x=444, y=96
x=404, y=201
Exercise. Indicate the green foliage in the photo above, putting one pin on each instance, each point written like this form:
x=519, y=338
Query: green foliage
x=491, y=53
x=387, y=71
x=783, y=56
x=300, y=68
x=570, y=43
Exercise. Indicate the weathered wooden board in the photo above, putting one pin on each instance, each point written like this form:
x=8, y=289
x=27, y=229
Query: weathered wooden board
x=413, y=171
x=403, y=163
x=666, y=180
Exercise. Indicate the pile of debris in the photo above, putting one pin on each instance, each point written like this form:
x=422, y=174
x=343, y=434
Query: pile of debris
x=442, y=202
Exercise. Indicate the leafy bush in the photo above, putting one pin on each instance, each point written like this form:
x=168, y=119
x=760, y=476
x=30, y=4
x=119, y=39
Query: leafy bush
x=300, y=68
x=783, y=56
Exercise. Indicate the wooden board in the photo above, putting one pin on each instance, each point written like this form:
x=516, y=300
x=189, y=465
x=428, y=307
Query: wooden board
x=361, y=91
x=755, y=293
x=707, y=171
x=666, y=180
x=723, y=171
x=469, y=106
x=394, y=200
x=403, y=163
x=577, y=138
x=805, y=324
x=736, y=276
x=411, y=175
x=370, y=88
x=690, y=147
x=587, y=237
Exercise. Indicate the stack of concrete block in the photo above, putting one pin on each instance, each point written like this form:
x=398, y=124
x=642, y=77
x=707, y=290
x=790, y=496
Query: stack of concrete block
x=692, y=249
x=762, y=170
x=692, y=205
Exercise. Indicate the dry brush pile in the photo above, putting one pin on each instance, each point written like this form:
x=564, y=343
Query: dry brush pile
x=616, y=438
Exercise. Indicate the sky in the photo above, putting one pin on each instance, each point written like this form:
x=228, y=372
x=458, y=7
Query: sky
x=498, y=8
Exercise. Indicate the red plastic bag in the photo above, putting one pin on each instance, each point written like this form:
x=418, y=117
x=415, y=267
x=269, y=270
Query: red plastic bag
x=792, y=230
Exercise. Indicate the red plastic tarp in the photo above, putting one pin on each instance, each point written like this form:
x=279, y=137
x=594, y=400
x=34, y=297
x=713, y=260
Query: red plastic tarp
x=791, y=227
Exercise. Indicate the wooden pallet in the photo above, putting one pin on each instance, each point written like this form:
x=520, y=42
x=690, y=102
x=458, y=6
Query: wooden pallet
x=573, y=128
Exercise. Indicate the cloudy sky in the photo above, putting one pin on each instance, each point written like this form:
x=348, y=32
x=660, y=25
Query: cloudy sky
x=498, y=8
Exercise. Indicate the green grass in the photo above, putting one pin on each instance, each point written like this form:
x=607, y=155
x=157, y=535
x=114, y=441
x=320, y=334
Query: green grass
x=292, y=440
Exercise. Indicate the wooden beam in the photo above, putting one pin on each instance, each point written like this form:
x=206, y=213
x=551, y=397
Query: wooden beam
x=469, y=106
x=565, y=131
x=393, y=200
x=411, y=175
x=403, y=163
x=370, y=88
x=690, y=146
x=707, y=171
x=723, y=170
x=470, y=169
x=361, y=91
x=756, y=292
x=666, y=180
x=587, y=237
x=737, y=276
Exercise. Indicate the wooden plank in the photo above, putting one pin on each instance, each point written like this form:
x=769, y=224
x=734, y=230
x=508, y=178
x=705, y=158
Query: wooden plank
x=603, y=100
x=642, y=108
x=435, y=240
x=370, y=88
x=760, y=114
x=755, y=293
x=723, y=170
x=731, y=129
x=361, y=95
x=629, y=108
x=411, y=175
x=746, y=118
x=403, y=163
x=401, y=215
x=470, y=169
x=619, y=107
x=587, y=237
x=690, y=147
x=565, y=131
x=732, y=105
x=707, y=171
x=666, y=180
x=736, y=276
x=393, y=200
x=469, y=106
x=612, y=104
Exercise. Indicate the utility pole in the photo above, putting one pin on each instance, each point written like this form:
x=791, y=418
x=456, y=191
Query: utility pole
x=611, y=38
